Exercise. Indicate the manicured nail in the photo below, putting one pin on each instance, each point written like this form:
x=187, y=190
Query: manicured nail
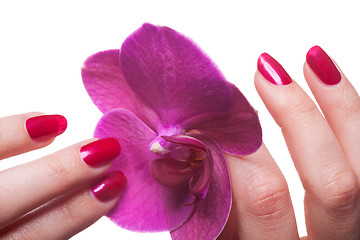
x=45, y=126
x=323, y=66
x=110, y=186
x=272, y=70
x=100, y=152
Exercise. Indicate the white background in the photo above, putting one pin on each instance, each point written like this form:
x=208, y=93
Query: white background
x=44, y=43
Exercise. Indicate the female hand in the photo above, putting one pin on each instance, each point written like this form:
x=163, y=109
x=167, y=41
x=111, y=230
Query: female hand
x=324, y=148
x=58, y=195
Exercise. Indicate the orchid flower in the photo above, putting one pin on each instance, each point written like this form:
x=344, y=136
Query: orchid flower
x=174, y=115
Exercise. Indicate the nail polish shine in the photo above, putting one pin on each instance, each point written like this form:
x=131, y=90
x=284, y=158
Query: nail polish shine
x=272, y=70
x=109, y=186
x=100, y=152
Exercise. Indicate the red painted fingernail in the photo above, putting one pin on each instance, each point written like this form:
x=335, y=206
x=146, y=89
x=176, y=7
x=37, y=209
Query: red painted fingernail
x=45, y=126
x=272, y=70
x=110, y=186
x=323, y=66
x=100, y=152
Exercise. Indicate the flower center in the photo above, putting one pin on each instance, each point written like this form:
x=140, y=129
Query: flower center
x=184, y=159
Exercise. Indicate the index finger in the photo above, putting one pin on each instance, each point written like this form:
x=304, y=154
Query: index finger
x=26, y=132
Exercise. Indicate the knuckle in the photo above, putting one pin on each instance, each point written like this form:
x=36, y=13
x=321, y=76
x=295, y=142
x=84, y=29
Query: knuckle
x=70, y=214
x=61, y=172
x=340, y=193
x=57, y=169
x=350, y=109
x=269, y=198
x=303, y=110
x=296, y=110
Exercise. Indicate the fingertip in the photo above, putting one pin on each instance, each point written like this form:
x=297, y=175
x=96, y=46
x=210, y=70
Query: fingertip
x=100, y=152
x=110, y=186
x=45, y=127
x=323, y=66
x=26, y=132
x=272, y=70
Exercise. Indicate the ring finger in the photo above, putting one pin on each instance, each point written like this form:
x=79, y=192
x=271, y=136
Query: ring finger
x=67, y=215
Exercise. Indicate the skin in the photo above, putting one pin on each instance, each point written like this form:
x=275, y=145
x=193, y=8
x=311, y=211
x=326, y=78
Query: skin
x=59, y=184
x=328, y=167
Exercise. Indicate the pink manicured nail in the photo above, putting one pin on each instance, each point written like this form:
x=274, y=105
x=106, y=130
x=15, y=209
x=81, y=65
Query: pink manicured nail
x=45, y=126
x=272, y=70
x=110, y=186
x=323, y=66
x=100, y=152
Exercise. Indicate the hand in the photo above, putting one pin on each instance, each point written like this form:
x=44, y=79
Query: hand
x=325, y=151
x=58, y=195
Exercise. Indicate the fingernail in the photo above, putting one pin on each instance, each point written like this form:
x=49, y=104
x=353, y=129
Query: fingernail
x=45, y=126
x=323, y=66
x=272, y=70
x=100, y=152
x=110, y=186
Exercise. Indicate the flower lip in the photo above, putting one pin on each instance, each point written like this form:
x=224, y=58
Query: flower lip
x=187, y=160
x=212, y=212
x=171, y=172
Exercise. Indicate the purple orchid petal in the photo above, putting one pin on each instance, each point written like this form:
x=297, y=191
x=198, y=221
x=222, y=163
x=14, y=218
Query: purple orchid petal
x=170, y=172
x=212, y=212
x=108, y=89
x=172, y=75
x=145, y=205
x=237, y=132
x=186, y=140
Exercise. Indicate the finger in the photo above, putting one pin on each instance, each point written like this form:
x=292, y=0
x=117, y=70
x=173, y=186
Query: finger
x=331, y=187
x=337, y=99
x=261, y=199
x=30, y=131
x=28, y=186
x=68, y=215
